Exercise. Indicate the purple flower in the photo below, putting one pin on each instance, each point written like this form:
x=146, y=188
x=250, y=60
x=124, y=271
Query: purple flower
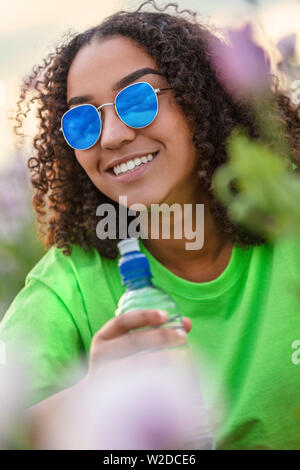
x=286, y=46
x=242, y=66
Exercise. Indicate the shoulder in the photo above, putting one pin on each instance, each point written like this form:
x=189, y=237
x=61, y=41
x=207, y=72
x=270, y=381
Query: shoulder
x=55, y=263
x=87, y=283
x=64, y=272
x=52, y=288
x=62, y=292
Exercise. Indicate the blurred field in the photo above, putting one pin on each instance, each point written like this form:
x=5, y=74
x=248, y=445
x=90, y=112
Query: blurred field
x=19, y=247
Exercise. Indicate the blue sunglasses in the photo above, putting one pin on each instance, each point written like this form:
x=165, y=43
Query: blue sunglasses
x=136, y=105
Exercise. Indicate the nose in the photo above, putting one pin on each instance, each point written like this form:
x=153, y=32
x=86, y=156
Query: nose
x=114, y=132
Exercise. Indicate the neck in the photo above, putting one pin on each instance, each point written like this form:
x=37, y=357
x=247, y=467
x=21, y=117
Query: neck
x=207, y=256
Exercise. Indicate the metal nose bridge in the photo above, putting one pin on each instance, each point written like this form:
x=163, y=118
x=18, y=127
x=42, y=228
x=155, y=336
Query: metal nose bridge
x=105, y=104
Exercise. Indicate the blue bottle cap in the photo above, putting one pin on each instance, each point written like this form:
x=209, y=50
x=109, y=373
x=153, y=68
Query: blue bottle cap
x=133, y=264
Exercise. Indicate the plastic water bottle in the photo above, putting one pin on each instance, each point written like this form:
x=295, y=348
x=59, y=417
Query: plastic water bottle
x=140, y=293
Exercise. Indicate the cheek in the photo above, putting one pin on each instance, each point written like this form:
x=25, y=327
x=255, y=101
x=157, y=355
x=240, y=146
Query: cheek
x=181, y=142
x=178, y=129
x=87, y=159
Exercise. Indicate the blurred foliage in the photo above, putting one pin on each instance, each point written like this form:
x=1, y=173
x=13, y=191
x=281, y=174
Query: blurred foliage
x=19, y=246
x=259, y=188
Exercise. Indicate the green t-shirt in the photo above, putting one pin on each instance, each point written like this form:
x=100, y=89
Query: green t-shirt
x=246, y=323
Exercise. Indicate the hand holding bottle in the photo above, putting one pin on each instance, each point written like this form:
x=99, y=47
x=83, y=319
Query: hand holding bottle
x=122, y=336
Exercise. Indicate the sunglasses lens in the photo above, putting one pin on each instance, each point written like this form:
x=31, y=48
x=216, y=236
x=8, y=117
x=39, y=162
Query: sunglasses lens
x=137, y=105
x=81, y=126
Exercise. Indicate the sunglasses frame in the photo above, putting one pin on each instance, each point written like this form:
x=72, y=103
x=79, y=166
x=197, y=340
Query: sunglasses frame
x=99, y=108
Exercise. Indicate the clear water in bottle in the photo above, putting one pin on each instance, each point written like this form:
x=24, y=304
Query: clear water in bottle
x=140, y=293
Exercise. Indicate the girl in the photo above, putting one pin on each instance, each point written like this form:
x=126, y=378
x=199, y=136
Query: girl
x=235, y=289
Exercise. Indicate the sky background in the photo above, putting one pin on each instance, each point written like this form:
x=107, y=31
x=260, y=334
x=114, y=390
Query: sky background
x=30, y=29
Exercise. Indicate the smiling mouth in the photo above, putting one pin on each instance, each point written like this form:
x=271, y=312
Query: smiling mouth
x=133, y=170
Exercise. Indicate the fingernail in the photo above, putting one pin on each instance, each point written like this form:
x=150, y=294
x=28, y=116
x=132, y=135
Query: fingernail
x=163, y=315
x=181, y=332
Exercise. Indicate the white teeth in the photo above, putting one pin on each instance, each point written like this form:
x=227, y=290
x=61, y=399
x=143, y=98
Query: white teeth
x=131, y=164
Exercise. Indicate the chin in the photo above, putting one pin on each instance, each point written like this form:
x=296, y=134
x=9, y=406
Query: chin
x=144, y=200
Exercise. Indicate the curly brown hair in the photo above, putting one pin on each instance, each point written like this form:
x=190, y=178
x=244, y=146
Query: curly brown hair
x=65, y=199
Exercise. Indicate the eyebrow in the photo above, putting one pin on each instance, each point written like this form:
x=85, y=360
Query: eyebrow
x=125, y=81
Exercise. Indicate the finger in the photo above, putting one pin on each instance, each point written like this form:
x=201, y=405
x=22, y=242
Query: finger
x=136, y=319
x=137, y=341
x=187, y=324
